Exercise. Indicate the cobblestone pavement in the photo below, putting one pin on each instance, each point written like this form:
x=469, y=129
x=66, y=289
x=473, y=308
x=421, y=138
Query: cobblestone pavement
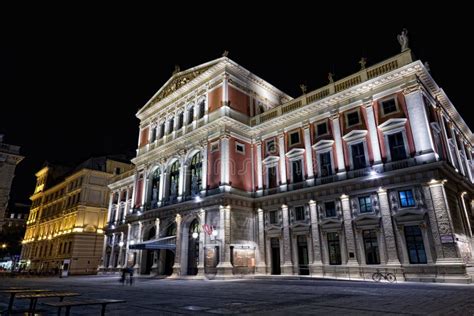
x=151, y=296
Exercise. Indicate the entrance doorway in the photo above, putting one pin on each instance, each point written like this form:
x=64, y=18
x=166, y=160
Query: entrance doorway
x=150, y=254
x=169, y=261
x=193, y=247
x=275, y=245
x=302, y=244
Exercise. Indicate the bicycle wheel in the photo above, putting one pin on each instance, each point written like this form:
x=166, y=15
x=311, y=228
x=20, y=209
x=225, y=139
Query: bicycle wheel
x=391, y=277
x=376, y=276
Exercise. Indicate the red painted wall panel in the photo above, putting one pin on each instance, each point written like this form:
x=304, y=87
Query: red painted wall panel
x=213, y=166
x=239, y=101
x=214, y=99
x=240, y=166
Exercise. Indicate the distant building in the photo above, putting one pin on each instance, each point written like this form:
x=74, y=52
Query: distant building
x=9, y=158
x=372, y=171
x=67, y=216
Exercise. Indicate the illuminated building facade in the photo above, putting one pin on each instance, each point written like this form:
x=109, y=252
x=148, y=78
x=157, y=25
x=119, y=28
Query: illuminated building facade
x=67, y=216
x=373, y=171
x=9, y=158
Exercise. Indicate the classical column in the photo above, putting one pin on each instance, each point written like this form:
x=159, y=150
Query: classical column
x=182, y=172
x=360, y=246
x=225, y=90
x=259, y=165
x=338, y=140
x=109, y=214
x=260, y=269
x=204, y=168
x=104, y=254
x=316, y=264
x=163, y=179
x=225, y=163
x=349, y=233
x=138, y=253
x=373, y=132
x=127, y=249
x=400, y=234
x=287, y=267
x=268, y=254
x=445, y=137
x=206, y=105
x=177, y=256
x=308, y=153
x=455, y=141
x=202, y=241
x=120, y=264
x=281, y=145
x=112, y=250
x=127, y=205
x=154, y=267
x=387, y=225
x=444, y=223
x=420, y=127
x=224, y=268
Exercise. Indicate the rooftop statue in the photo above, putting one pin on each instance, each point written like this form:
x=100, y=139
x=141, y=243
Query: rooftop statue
x=403, y=39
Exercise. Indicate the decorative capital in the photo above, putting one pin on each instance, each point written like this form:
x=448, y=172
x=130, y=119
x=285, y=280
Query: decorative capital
x=178, y=218
x=411, y=88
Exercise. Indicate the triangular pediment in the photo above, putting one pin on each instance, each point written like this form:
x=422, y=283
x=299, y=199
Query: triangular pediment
x=178, y=80
x=271, y=159
x=295, y=152
x=392, y=123
x=323, y=144
x=355, y=134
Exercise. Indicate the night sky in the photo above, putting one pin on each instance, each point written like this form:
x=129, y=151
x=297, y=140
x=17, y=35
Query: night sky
x=70, y=86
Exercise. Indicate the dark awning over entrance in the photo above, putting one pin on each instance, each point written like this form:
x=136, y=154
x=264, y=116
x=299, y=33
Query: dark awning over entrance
x=156, y=244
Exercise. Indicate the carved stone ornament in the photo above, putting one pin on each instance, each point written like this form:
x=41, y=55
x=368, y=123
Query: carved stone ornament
x=394, y=201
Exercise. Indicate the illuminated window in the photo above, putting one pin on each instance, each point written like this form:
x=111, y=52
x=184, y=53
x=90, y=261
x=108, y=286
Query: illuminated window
x=365, y=204
x=406, y=198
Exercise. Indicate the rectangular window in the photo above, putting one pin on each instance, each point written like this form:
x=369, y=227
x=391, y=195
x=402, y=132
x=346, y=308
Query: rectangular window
x=325, y=164
x=321, y=129
x=415, y=245
x=240, y=148
x=389, y=106
x=371, y=247
x=271, y=148
x=272, y=177
x=214, y=147
x=353, y=118
x=294, y=138
x=334, y=248
x=365, y=204
x=297, y=171
x=273, y=217
x=299, y=213
x=358, y=156
x=406, y=198
x=397, y=146
x=330, y=209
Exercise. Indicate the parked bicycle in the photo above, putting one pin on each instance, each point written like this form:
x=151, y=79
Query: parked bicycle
x=377, y=276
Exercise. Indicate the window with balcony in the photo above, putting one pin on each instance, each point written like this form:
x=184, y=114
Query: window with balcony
x=195, y=174
x=272, y=177
x=180, y=121
x=299, y=213
x=273, y=217
x=190, y=115
x=358, y=155
x=330, y=209
x=389, y=106
x=365, y=204
x=297, y=170
x=202, y=109
x=325, y=164
x=406, y=198
x=397, y=146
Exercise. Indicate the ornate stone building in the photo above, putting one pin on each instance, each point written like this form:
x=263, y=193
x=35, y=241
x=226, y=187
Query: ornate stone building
x=233, y=176
x=65, y=227
x=9, y=158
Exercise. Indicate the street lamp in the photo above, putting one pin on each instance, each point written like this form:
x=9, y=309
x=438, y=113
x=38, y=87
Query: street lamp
x=120, y=244
x=4, y=246
x=195, y=235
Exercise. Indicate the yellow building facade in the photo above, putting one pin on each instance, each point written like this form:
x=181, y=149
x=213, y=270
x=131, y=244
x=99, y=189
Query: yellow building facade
x=67, y=217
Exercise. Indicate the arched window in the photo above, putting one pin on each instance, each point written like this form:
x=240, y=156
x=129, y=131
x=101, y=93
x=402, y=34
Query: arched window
x=202, y=108
x=174, y=181
x=155, y=186
x=190, y=115
x=171, y=125
x=171, y=230
x=180, y=121
x=195, y=172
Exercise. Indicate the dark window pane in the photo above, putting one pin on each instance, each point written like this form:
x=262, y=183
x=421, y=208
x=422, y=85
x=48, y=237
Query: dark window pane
x=330, y=208
x=297, y=171
x=325, y=161
x=294, y=138
x=273, y=217
x=397, y=146
x=415, y=245
x=353, y=118
x=272, y=177
x=322, y=129
x=299, y=213
x=389, y=106
x=371, y=247
x=190, y=115
x=334, y=248
x=358, y=156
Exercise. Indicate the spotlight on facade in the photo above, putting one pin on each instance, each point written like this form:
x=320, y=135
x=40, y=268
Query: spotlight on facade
x=4, y=246
x=197, y=198
x=214, y=233
x=120, y=244
x=373, y=172
x=195, y=235
x=132, y=242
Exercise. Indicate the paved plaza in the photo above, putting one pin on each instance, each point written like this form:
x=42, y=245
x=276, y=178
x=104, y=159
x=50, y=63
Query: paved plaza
x=151, y=296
